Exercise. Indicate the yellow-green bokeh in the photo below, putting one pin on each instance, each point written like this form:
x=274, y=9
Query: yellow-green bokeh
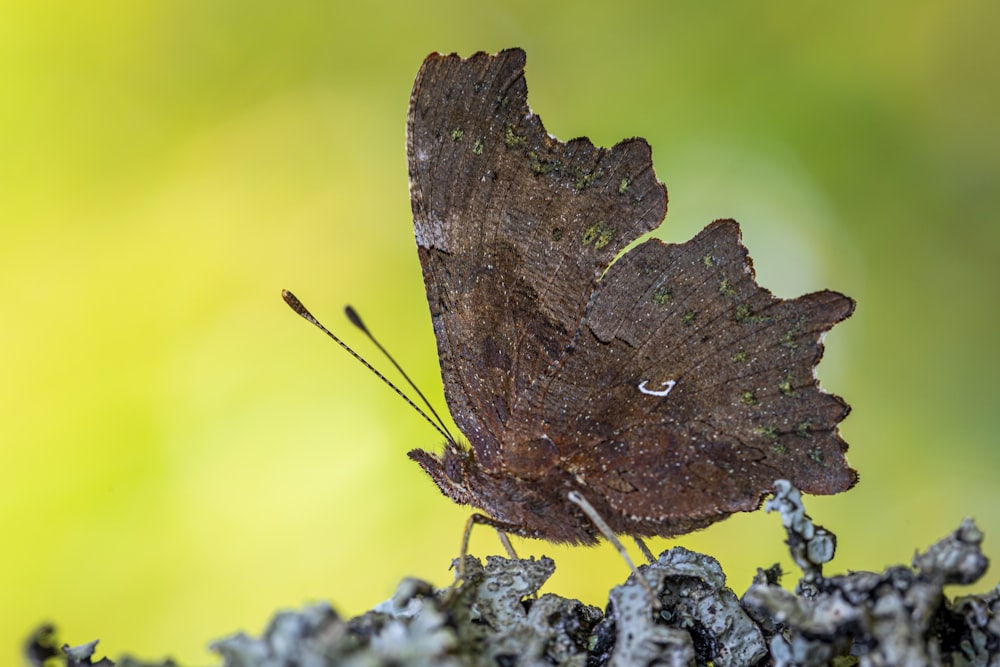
x=181, y=455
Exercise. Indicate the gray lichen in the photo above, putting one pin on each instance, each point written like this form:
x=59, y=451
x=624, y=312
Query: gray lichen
x=698, y=620
x=811, y=546
x=898, y=617
x=494, y=616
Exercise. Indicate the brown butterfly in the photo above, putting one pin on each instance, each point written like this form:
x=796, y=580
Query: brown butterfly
x=666, y=389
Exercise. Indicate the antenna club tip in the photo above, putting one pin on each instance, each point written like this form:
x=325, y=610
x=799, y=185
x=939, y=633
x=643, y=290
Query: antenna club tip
x=294, y=303
x=355, y=319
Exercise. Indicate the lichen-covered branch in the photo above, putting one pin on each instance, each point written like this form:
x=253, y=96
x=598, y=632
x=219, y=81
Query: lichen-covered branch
x=899, y=617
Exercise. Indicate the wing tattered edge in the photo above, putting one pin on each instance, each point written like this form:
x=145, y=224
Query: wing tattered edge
x=743, y=408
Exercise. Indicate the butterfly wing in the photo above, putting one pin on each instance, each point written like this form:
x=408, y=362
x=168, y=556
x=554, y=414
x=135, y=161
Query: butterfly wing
x=672, y=388
x=691, y=389
x=513, y=229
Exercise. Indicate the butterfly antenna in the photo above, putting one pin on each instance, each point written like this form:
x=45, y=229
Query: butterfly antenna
x=296, y=305
x=355, y=319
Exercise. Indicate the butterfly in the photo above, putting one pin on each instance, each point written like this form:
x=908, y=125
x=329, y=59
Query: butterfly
x=665, y=387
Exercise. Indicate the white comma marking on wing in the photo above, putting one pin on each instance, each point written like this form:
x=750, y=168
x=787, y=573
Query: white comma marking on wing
x=669, y=384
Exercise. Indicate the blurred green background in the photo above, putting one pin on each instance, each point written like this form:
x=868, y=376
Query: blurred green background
x=181, y=455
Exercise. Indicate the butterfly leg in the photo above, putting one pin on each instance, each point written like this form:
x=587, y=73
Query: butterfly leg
x=605, y=530
x=464, y=551
x=644, y=549
x=467, y=533
x=508, y=547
